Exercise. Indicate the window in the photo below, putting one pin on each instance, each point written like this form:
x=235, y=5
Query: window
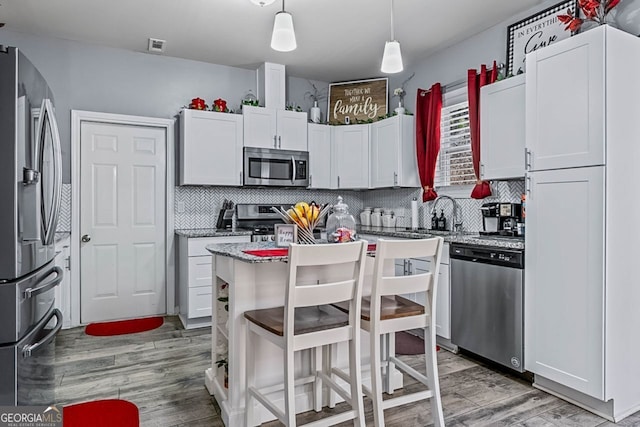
x=455, y=164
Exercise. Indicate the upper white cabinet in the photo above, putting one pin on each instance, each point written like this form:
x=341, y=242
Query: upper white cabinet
x=319, y=156
x=350, y=152
x=210, y=148
x=565, y=103
x=271, y=85
x=271, y=128
x=502, y=129
x=393, y=153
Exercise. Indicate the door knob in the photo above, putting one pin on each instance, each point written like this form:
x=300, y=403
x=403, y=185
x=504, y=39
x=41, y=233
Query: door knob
x=86, y=238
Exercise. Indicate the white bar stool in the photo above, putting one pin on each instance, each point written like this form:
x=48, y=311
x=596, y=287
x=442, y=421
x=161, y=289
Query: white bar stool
x=386, y=312
x=309, y=321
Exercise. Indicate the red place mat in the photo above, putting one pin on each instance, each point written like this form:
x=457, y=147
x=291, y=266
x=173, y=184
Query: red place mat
x=285, y=251
x=122, y=327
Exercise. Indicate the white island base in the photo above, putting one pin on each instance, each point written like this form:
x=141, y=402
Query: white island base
x=255, y=284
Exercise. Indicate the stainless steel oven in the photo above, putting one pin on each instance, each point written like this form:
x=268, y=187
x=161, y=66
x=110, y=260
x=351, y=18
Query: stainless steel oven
x=280, y=168
x=487, y=302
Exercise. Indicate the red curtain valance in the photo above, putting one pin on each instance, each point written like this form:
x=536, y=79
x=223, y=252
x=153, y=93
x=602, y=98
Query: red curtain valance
x=475, y=81
x=428, y=113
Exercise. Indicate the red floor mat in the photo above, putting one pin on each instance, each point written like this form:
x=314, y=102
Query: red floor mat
x=101, y=413
x=122, y=327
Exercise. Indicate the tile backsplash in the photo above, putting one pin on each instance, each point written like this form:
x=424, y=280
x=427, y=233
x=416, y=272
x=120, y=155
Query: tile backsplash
x=197, y=207
x=64, y=220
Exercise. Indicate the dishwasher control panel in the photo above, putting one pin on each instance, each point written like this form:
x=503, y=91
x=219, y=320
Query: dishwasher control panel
x=490, y=255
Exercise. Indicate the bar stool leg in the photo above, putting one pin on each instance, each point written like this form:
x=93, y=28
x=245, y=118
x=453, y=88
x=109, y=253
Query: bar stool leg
x=431, y=360
x=376, y=379
x=249, y=416
x=289, y=386
x=330, y=352
x=390, y=349
x=355, y=374
x=317, y=385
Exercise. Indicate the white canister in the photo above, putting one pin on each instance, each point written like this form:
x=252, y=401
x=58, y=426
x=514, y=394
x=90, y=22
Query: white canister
x=376, y=219
x=314, y=113
x=388, y=220
x=365, y=217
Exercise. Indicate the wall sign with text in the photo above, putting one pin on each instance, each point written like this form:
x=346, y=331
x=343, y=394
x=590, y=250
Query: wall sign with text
x=536, y=32
x=361, y=100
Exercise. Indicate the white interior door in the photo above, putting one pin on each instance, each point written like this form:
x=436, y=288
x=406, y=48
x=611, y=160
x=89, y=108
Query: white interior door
x=122, y=193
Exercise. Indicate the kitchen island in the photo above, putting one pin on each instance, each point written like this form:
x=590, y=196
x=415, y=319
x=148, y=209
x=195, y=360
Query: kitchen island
x=253, y=282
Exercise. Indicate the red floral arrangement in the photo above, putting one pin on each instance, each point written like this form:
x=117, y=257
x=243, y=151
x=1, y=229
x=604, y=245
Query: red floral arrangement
x=198, y=104
x=593, y=10
x=220, y=105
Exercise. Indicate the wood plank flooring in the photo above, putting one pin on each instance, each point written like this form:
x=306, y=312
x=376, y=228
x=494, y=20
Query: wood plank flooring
x=162, y=372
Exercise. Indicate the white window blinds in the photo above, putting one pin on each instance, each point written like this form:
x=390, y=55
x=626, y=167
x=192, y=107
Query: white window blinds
x=455, y=165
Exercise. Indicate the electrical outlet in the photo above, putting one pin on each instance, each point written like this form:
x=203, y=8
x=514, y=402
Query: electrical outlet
x=180, y=206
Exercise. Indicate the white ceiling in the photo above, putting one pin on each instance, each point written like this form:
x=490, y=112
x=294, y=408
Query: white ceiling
x=337, y=39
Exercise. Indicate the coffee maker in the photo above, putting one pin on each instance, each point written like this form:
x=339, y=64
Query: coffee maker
x=501, y=219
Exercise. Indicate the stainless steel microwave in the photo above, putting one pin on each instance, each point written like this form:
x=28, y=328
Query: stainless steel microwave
x=280, y=168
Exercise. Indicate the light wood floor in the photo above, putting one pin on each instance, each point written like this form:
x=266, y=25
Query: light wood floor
x=162, y=372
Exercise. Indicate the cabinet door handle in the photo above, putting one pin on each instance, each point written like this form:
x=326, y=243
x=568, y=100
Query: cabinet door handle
x=338, y=181
x=527, y=159
x=275, y=141
x=279, y=142
x=310, y=180
x=405, y=268
x=527, y=187
x=240, y=182
x=395, y=178
x=481, y=170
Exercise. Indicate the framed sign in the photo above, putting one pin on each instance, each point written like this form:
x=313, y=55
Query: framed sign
x=285, y=234
x=536, y=32
x=358, y=101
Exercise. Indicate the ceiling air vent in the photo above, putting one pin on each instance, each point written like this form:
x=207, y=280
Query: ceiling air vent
x=156, y=45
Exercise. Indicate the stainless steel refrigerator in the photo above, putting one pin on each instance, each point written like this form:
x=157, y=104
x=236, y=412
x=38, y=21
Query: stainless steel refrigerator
x=30, y=186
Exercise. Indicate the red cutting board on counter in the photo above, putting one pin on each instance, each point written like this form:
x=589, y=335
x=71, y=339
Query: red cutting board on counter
x=285, y=251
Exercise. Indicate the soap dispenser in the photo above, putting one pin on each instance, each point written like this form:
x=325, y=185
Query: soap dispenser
x=442, y=221
x=434, y=221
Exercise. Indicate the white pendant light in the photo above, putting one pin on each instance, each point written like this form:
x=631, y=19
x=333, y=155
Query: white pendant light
x=283, y=38
x=262, y=3
x=392, y=57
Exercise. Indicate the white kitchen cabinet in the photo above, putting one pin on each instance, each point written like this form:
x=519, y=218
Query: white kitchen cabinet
x=502, y=129
x=210, y=148
x=350, y=152
x=319, y=156
x=564, y=291
x=194, y=278
x=393, y=153
x=276, y=129
x=565, y=104
x=271, y=85
x=581, y=293
x=63, y=290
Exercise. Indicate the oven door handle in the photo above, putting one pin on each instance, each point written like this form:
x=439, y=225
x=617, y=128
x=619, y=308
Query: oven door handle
x=293, y=170
x=30, y=292
x=29, y=349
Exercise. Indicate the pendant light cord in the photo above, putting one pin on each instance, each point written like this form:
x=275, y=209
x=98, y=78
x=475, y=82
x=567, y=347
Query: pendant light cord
x=392, y=35
x=283, y=5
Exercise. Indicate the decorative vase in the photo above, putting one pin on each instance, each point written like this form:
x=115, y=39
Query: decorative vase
x=399, y=109
x=314, y=113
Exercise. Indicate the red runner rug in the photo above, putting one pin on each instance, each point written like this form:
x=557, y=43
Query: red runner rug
x=122, y=327
x=101, y=413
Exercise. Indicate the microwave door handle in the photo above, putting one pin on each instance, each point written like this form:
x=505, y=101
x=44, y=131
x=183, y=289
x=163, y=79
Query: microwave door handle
x=293, y=170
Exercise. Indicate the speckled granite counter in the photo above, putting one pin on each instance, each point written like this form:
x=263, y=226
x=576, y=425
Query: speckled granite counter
x=211, y=232
x=235, y=251
x=469, y=238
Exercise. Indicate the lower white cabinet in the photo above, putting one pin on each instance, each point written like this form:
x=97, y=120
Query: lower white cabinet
x=63, y=290
x=194, y=278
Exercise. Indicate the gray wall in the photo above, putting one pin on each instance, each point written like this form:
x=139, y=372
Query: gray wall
x=97, y=78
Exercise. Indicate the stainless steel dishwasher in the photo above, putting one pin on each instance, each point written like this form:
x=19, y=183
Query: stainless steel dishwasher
x=487, y=302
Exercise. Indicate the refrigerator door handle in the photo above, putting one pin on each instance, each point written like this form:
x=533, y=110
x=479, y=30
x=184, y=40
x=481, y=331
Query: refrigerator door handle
x=29, y=349
x=31, y=292
x=57, y=172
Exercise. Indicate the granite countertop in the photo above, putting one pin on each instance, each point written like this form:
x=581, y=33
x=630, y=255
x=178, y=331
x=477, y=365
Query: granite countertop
x=462, y=237
x=234, y=250
x=212, y=232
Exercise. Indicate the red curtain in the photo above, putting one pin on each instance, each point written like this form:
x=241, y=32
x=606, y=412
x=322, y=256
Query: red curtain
x=428, y=113
x=474, y=83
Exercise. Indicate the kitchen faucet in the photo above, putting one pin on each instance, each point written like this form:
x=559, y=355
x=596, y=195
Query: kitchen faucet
x=456, y=225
